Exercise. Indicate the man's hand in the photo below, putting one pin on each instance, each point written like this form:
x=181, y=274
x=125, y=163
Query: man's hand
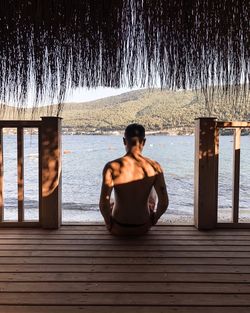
x=151, y=204
x=110, y=224
x=153, y=218
x=152, y=200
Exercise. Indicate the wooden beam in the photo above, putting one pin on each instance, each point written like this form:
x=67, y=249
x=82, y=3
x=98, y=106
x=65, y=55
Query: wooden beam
x=20, y=173
x=17, y=123
x=1, y=177
x=233, y=124
x=206, y=173
x=236, y=176
x=233, y=225
x=50, y=172
x=25, y=224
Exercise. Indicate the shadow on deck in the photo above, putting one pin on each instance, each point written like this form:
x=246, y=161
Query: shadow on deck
x=84, y=269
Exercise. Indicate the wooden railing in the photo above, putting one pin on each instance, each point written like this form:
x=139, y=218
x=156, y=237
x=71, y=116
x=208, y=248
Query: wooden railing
x=206, y=173
x=49, y=160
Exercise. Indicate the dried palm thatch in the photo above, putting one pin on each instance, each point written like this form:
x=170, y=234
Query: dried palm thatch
x=60, y=44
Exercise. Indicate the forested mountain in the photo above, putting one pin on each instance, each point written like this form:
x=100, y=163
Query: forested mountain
x=156, y=109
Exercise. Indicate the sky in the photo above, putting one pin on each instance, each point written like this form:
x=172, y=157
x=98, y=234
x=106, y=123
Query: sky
x=77, y=95
x=84, y=94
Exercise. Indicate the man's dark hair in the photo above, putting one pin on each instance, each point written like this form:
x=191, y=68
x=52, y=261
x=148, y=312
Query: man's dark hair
x=135, y=131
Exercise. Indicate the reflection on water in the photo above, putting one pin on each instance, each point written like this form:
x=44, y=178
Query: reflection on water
x=85, y=156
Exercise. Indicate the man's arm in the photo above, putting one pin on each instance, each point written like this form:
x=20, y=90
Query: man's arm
x=107, y=186
x=162, y=194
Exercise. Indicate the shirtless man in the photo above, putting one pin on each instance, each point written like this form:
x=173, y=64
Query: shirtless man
x=135, y=180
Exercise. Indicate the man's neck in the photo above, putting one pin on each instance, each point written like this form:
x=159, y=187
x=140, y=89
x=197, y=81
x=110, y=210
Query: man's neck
x=136, y=151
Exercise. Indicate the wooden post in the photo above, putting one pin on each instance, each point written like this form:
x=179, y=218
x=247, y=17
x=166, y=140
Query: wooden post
x=206, y=173
x=20, y=173
x=1, y=176
x=236, y=175
x=50, y=172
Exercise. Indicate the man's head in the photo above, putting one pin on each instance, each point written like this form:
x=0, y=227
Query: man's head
x=134, y=135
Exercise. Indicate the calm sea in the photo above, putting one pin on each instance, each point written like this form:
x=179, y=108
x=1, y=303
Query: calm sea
x=83, y=161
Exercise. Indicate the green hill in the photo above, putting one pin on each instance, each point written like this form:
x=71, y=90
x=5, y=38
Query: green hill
x=157, y=110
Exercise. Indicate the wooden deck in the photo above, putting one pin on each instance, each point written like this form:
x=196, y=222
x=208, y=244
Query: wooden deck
x=83, y=269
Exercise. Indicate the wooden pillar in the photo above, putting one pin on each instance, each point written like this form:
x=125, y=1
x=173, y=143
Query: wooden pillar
x=50, y=173
x=236, y=176
x=20, y=173
x=206, y=173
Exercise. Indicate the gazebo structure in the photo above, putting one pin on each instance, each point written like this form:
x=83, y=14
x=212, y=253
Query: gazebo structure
x=54, y=45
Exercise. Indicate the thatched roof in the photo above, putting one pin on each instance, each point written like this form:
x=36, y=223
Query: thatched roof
x=62, y=44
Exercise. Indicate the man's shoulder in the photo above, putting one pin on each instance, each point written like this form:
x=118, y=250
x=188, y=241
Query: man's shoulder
x=156, y=166
x=113, y=163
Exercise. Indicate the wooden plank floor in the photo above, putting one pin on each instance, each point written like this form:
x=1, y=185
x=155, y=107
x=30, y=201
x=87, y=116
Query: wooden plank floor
x=84, y=269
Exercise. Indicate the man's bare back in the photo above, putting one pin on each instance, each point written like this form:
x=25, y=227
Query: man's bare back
x=133, y=177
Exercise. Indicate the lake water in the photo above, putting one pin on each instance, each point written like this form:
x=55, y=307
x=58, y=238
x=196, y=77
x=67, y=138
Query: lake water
x=83, y=161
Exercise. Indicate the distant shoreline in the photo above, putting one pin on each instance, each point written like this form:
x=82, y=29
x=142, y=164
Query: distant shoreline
x=166, y=132
x=177, y=131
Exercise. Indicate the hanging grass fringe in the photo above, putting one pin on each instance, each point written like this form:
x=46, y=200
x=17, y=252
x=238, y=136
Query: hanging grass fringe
x=55, y=45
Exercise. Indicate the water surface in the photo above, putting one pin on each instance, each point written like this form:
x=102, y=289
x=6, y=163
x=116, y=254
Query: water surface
x=85, y=156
